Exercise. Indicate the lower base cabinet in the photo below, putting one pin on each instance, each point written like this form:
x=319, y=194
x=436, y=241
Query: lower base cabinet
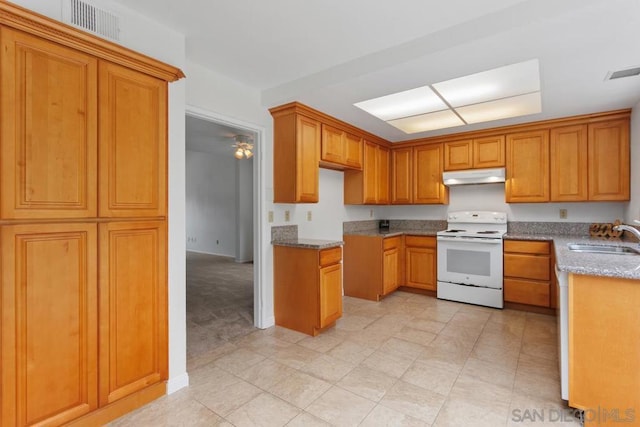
x=528, y=277
x=307, y=288
x=421, y=262
x=84, y=323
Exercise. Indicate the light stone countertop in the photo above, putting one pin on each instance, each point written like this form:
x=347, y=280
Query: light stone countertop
x=393, y=232
x=308, y=243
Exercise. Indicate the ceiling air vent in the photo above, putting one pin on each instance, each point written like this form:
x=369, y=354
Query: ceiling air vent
x=93, y=19
x=629, y=72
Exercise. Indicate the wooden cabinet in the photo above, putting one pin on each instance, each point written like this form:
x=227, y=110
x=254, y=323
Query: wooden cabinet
x=527, y=272
x=421, y=262
x=340, y=149
x=83, y=303
x=370, y=186
x=590, y=162
x=417, y=175
x=609, y=160
x=49, y=335
x=373, y=265
x=604, y=348
x=527, y=169
x=487, y=152
x=307, y=288
x=296, y=153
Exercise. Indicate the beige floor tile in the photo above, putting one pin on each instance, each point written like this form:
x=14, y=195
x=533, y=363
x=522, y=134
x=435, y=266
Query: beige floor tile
x=505, y=340
x=305, y=419
x=533, y=365
x=403, y=348
x=439, y=313
x=391, y=364
x=351, y=352
x=263, y=343
x=489, y=372
x=381, y=416
x=295, y=356
x=300, y=389
x=204, y=358
x=321, y=343
x=543, y=350
x=413, y=401
x=224, y=401
x=286, y=334
x=506, y=359
x=537, y=385
x=474, y=389
x=368, y=383
x=238, y=360
x=471, y=319
x=354, y=322
x=389, y=324
x=328, y=368
x=427, y=325
x=341, y=407
x=372, y=338
x=432, y=375
x=263, y=410
x=515, y=327
x=532, y=411
x=462, y=412
x=441, y=357
x=456, y=330
x=453, y=342
x=211, y=376
x=416, y=336
x=266, y=374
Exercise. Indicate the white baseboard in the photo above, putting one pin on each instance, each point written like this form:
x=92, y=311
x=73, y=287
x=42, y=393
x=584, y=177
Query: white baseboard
x=209, y=253
x=177, y=383
x=267, y=323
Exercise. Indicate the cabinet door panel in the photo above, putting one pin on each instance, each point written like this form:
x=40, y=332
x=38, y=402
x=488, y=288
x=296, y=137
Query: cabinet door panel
x=458, y=155
x=568, y=160
x=527, y=292
x=383, y=176
x=421, y=268
x=489, y=152
x=330, y=294
x=133, y=140
x=353, y=151
x=402, y=176
x=370, y=173
x=527, y=266
x=49, y=329
x=390, y=265
x=333, y=149
x=133, y=306
x=527, y=167
x=49, y=129
x=307, y=158
x=609, y=160
x=427, y=175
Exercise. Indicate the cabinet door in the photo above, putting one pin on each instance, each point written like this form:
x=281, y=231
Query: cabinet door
x=353, y=151
x=488, y=152
x=133, y=307
x=568, y=163
x=133, y=143
x=390, y=272
x=49, y=129
x=427, y=175
x=48, y=353
x=609, y=160
x=370, y=173
x=330, y=294
x=307, y=158
x=421, y=268
x=401, y=176
x=527, y=167
x=383, y=176
x=458, y=155
x=333, y=149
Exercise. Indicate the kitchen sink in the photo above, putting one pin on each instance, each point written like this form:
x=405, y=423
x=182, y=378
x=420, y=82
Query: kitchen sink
x=603, y=249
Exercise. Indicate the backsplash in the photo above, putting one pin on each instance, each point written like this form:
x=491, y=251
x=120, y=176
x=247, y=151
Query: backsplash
x=284, y=232
x=550, y=228
x=397, y=224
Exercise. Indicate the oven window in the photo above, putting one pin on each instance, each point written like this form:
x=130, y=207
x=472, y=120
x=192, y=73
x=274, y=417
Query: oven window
x=476, y=263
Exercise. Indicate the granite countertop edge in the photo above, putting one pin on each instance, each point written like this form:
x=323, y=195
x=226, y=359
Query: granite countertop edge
x=308, y=243
x=393, y=232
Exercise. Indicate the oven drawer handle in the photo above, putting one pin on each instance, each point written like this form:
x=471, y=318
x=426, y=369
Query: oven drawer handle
x=471, y=240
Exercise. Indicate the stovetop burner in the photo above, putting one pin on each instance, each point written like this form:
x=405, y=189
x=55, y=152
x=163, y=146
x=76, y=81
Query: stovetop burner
x=487, y=232
x=455, y=231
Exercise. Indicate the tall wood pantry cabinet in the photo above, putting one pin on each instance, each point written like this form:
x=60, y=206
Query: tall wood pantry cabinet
x=83, y=224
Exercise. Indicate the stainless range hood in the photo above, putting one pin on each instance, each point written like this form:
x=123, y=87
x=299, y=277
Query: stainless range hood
x=473, y=176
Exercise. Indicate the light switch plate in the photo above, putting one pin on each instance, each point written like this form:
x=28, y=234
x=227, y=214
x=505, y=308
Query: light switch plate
x=563, y=214
x=287, y=216
x=270, y=216
x=309, y=215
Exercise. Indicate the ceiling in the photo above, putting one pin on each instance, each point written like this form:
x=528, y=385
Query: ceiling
x=210, y=137
x=333, y=53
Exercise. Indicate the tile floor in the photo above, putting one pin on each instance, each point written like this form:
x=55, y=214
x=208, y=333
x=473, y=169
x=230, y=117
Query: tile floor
x=408, y=360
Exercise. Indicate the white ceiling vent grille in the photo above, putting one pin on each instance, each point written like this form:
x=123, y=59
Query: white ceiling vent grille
x=629, y=72
x=88, y=17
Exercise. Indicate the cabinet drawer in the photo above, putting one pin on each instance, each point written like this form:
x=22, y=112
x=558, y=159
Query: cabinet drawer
x=527, y=247
x=391, y=242
x=526, y=292
x=420, y=241
x=527, y=266
x=330, y=256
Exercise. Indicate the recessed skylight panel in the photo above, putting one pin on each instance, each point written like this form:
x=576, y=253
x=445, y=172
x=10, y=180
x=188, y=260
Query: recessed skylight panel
x=425, y=122
x=504, y=108
x=403, y=104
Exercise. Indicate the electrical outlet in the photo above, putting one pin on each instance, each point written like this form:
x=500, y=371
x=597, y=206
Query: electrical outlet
x=309, y=216
x=371, y=213
x=287, y=216
x=270, y=216
x=563, y=214
x=217, y=242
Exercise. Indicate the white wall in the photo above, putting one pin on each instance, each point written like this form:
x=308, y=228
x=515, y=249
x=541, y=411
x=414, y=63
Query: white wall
x=244, y=209
x=633, y=209
x=157, y=41
x=211, y=210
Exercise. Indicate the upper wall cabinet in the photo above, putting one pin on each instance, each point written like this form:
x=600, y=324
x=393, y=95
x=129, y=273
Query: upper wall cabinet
x=402, y=176
x=477, y=153
x=370, y=186
x=416, y=176
x=609, y=173
x=568, y=162
x=296, y=153
x=49, y=129
x=340, y=149
x=527, y=178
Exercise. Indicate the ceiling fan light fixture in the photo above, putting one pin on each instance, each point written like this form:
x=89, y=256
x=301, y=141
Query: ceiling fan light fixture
x=243, y=147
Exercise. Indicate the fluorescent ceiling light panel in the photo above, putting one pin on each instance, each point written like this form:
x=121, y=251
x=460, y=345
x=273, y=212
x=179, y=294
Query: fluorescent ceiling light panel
x=503, y=82
x=515, y=106
x=430, y=121
x=403, y=104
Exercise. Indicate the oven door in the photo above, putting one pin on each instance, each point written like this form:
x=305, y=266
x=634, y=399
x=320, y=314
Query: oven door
x=470, y=261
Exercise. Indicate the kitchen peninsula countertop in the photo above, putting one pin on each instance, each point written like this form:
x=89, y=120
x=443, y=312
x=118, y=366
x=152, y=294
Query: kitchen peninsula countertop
x=308, y=243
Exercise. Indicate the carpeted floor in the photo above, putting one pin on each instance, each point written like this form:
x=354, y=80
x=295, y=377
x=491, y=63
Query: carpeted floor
x=219, y=304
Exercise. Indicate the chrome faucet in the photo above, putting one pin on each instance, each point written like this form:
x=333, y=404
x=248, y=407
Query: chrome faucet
x=632, y=230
